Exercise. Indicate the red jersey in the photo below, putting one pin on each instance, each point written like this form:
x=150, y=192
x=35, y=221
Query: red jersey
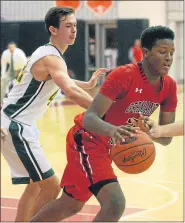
x=132, y=94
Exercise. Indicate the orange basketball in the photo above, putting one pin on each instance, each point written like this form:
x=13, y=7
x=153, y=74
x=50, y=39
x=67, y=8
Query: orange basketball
x=135, y=155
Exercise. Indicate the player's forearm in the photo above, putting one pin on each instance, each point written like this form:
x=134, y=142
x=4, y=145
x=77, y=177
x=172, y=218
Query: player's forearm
x=94, y=124
x=80, y=97
x=83, y=84
x=174, y=129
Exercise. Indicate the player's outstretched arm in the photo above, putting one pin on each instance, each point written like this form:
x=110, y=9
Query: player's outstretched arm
x=170, y=130
x=163, y=132
x=58, y=72
x=93, y=81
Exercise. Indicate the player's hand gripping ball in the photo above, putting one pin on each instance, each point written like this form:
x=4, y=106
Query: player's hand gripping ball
x=135, y=155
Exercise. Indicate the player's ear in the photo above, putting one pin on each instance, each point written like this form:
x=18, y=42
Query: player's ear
x=145, y=52
x=53, y=30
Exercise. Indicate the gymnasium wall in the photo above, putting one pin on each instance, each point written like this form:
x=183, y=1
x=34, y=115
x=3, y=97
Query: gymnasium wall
x=127, y=31
x=30, y=35
x=24, y=19
x=154, y=11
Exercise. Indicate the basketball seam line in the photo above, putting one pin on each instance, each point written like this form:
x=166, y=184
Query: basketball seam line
x=133, y=147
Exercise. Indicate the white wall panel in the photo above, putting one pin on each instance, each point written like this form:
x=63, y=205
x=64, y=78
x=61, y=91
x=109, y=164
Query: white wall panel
x=155, y=11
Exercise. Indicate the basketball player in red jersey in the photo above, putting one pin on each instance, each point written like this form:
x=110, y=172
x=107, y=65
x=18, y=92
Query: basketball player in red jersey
x=128, y=91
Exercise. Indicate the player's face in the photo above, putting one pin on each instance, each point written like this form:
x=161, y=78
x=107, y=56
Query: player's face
x=160, y=58
x=67, y=29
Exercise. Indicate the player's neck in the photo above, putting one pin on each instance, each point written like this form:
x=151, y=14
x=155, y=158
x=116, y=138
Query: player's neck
x=152, y=76
x=61, y=47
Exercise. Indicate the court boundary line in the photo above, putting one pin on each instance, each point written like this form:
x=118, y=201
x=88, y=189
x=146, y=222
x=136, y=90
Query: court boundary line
x=128, y=206
x=80, y=213
x=173, y=193
x=174, y=198
x=169, y=182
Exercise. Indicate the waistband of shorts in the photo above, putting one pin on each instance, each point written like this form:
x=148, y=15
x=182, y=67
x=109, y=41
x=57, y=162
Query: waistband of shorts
x=104, y=139
x=5, y=116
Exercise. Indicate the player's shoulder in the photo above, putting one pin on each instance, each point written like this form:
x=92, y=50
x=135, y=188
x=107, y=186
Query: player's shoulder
x=46, y=48
x=43, y=48
x=38, y=50
x=169, y=80
x=127, y=70
x=45, y=51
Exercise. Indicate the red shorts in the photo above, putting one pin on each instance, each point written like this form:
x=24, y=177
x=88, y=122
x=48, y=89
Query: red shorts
x=88, y=162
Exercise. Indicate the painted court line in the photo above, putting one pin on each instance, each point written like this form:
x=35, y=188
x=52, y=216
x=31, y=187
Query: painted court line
x=170, y=182
x=128, y=206
x=174, y=195
x=9, y=208
x=131, y=213
x=80, y=213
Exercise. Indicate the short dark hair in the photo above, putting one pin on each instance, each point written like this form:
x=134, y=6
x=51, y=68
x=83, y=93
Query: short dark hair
x=12, y=42
x=150, y=35
x=53, y=16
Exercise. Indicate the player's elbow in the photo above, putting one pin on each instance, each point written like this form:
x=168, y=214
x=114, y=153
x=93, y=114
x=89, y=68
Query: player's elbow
x=86, y=120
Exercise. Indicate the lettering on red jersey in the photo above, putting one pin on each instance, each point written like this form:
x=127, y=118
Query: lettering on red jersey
x=144, y=107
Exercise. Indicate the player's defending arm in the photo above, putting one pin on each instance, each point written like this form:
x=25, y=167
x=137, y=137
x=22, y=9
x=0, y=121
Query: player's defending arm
x=165, y=118
x=167, y=111
x=93, y=81
x=170, y=130
x=154, y=130
x=58, y=71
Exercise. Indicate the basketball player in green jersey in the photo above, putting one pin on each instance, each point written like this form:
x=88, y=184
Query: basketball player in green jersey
x=36, y=86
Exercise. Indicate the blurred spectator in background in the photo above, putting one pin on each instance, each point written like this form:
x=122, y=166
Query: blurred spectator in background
x=135, y=53
x=13, y=60
x=92, y=52
x=110, y=56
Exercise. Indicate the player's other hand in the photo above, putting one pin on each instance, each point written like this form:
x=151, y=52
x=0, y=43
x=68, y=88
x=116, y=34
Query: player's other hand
x=96, y=75
x=144, y=123
x=156, y=131
x=117, y=133
x=4, y=134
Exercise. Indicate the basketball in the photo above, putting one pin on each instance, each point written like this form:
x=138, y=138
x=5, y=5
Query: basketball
x=135, y=155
